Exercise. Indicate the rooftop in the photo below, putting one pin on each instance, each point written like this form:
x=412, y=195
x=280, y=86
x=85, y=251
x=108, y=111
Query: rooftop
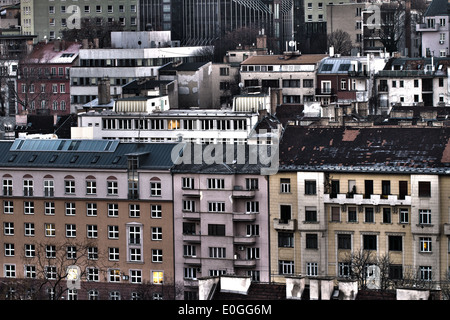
x=284, y=60
x=97, y=154
x=54, y=52
x=372, y=149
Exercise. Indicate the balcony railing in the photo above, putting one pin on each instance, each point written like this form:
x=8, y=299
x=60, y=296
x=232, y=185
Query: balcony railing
x=286, y=225
x=325, y=91
x=374, y=199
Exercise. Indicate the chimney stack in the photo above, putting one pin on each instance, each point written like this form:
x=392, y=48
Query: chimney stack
x=104, y=94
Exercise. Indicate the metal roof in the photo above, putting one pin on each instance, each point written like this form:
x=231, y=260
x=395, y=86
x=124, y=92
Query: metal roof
x=97, y=154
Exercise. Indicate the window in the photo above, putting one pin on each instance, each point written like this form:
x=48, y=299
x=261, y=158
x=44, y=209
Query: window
x=251, y=184
x=91, y=187
x=189, y=205
x=69, y=186
x=395, y=243
x=155, y=211
x=425, y=244
x=216, y=229
x=8, y=207
x=190, y=273
x=71, y=231
x=134, y=235
x=425, y=273
x=311, y=241
x=134, y=210
x=113, y=232
x=370, y=242
x=7, y=187
x=335, y=214
x=113, y=210
x=8, y=228
x=158, y=277
x=285, y=185
x=114, y=275
x=49, y=229
x=216, y=183
x=113, y=187
x=310, y=187
x=70, y=209
x=28, y=207
x=156, y=233
x=424, y=216
x=424, y=189
x=91, y=231
x=352, y=215
x=135, y=255
x=344, y=269
x=285, y=239
x=344, y=241
x=387, y=215
x=27, y=188
x=368, y=215
x=310, y=214
x=29, y=229
x=285, y=213
x=312, y=269
x=113, y=254
x=385, y=188
x=285, y=267
x=187, y=183
x=404, y=215
x=217, y=252
x=91, y=209
x=252, y=207
x=49, y=208
x=155, y=188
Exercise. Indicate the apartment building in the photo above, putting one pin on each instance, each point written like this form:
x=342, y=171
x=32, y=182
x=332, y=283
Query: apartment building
x=292, y=73
x=220, y=217
x=43, y=84
x=347, y=81
x=435, y=30
x=341, y=192
x=101, y=207
x=122, y=65
x=47, y=19
x=413, y=81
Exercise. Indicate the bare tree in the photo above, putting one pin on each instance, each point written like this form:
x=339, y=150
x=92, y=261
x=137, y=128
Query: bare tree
x=341, y=42
x=392, y=29
x=49, y=264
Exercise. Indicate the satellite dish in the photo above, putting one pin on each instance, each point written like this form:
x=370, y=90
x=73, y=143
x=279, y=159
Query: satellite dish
x=291, y=43
x=241, y=85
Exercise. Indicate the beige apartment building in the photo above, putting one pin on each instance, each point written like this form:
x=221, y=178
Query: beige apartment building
x=341, y=193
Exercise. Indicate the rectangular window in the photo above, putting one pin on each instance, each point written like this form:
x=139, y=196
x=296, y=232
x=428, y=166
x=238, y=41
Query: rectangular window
x=310, y=187
x=285, y=213
x=216, y=183
x=425, y=244
x=424, y=189
x=285, y=239
x=370, y=242
x=187, y=183
x=395, y=243
x=311, y=241
x=285, y=185
x=156, y=211
x=69, y=186
x=155, y=189
x=217, y=252
x=352, y=215
x=368, y=215
x=216, y=229
x=424, y=216
x=387, y=215
x=216, y=206
x=404, y=215
x=335, y=214
x=344, y=241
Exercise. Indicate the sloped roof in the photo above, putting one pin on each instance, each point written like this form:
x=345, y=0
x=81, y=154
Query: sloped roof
x=46, y=53
x=375, y=149
x=280, y=60
x=94, y=154
x=438, y=8
x=235, y=159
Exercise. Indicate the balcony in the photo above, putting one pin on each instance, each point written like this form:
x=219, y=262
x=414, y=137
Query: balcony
x=325, y=91
x=423, y=27
x=189, y=215
x=243, y=217
x=241, y=193
x=191, y=193
x=285, y=225
x=359, y=199
x=192, y=260
x=191, y=237
x=358, y=73
x=244, y=240
x=243, y=263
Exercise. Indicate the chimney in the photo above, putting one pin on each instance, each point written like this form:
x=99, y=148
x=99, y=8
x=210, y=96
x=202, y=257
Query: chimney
x=261, y=40
x=96, y=43
x=104, y=94
x=85, y=44
x=57, y=45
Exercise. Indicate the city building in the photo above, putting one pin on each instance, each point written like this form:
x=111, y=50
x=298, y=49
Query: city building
x=122, y=65
x=43, y=84
x=413, y=81
x=435, y=30
x=99, y=206
x=342, y=193
x=46, y=20
x=293, y=74
x=220, y=216
x=347, y=81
